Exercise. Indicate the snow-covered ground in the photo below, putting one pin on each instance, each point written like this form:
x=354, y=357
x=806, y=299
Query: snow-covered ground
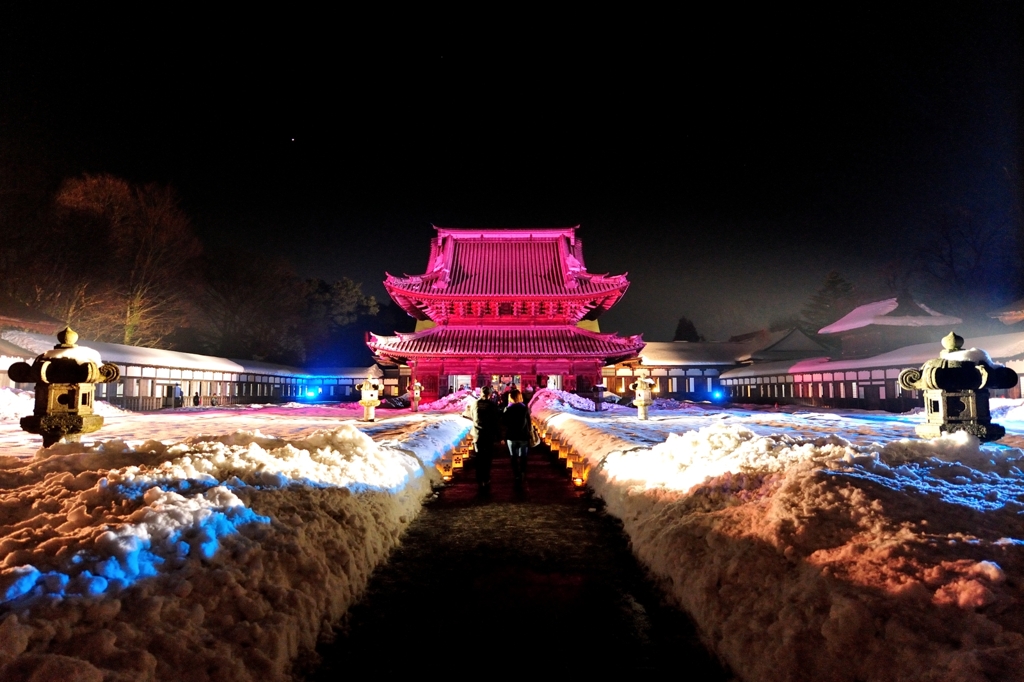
x=821, y=545
x=217, y=543
x=150, y=552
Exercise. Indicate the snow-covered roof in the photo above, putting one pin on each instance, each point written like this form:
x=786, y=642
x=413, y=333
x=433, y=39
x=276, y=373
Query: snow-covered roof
x=908, y=314
x=1011, y=313
x=136, y=355
x=788, y=343
x=1002, y=348
x=780, y=345
x=678, y=353
x=10, y=350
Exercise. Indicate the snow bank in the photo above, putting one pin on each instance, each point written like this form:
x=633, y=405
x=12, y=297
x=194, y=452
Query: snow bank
x=15, y=404
x=550, y=398
x=220, y=557
x=812, y=558
x=453, y=402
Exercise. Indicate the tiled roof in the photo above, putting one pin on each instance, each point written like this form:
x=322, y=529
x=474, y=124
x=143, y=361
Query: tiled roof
x=543, y=263
x=561, y=341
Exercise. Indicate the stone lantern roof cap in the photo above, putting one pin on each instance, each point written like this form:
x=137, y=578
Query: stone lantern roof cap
x=68, y=350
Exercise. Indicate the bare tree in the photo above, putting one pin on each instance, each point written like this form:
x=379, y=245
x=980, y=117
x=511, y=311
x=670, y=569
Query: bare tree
x=127, y=251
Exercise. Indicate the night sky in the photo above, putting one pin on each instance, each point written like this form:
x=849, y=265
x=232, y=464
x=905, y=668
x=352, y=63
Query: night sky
x=726, y=162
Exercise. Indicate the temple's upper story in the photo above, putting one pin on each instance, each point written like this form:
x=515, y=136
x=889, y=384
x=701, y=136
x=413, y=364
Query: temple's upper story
x=515, y=276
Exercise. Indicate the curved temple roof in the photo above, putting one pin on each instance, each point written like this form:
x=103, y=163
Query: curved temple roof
x=506, y=342
x=520, y=263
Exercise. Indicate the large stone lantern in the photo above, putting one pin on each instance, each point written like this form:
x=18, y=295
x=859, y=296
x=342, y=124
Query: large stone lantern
x=370, y=390
x=65, y=380
x=642, y=390
x=955, y=387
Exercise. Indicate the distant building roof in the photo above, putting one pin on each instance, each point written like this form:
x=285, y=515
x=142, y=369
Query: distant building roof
x=510, y=342
x=755, y=346
x=893, y=312
x=1003, y=348
x=1011, y=313
x=16, y=315
x=10, y=350
x=680, y=353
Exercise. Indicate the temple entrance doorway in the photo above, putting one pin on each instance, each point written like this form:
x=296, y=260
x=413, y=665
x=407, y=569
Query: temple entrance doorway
x=457, y=381
x=499, y=381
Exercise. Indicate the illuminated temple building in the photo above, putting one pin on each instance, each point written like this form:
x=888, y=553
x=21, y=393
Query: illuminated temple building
x=499, y=306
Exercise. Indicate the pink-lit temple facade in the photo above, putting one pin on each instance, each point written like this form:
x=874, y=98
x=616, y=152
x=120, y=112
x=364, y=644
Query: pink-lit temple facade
x=499, y=306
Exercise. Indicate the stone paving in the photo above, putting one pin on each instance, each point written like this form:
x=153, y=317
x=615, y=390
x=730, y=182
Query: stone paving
x=532, y=578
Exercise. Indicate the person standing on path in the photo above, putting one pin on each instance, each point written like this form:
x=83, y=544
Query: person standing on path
x=516, y=421
x=486, y=432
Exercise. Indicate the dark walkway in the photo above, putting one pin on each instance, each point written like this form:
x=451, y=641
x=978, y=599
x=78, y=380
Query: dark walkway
x=519, y=580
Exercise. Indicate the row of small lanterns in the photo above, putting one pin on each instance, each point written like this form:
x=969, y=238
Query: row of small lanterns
x=575, y=463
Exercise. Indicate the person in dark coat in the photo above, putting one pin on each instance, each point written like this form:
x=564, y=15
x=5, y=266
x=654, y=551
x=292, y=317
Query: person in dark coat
x=486, y=433
x=516, y=422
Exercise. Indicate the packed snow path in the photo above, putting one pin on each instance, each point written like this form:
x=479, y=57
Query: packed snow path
x=535, y=579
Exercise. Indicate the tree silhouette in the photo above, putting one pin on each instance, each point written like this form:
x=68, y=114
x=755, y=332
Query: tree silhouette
x=686, y=331
x=828, y=304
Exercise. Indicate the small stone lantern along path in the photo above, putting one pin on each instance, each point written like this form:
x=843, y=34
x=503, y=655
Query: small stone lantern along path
x=521, y=580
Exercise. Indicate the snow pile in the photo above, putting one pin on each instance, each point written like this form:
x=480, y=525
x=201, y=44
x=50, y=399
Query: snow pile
x=673, y=404
x=1006, y=409
x=15, y=404
x=453, y=402
x=218, y=557
x=550, y=398
x=813, y=558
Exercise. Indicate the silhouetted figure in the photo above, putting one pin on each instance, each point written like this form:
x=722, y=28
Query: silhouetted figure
x=516, y=420
x=486, y=432
x=195, y=399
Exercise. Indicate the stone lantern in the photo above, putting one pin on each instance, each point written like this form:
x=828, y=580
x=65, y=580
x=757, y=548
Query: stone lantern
x=417, y=390
x=370, y=397
x=65, y=380
x=955, y=387
x=642, y=389
x=599, y=397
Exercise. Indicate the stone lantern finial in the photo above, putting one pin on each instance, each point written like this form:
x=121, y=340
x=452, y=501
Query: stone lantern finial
x=951, y=343
x=68, y=338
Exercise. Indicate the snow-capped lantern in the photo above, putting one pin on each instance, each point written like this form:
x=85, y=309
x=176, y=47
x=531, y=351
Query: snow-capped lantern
x=642, y=389
x=65, y=379
x=417, y=390
x=955, y=387
x=370, y=397
x=599, y=390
